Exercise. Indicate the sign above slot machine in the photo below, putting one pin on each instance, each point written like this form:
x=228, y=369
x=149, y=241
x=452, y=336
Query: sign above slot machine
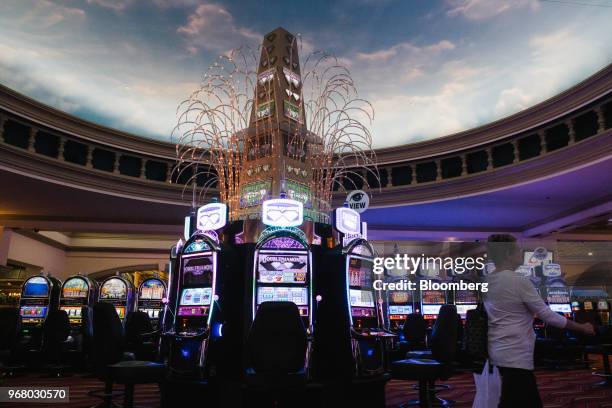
x=282, y=212
x=347, y=220
x=552, y=270
x=212, y=217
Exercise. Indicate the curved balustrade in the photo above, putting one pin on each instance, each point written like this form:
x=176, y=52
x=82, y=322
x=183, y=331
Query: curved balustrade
x=570, y=129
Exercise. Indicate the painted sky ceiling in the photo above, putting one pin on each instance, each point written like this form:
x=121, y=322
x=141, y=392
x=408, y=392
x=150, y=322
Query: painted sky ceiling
x=430, y=68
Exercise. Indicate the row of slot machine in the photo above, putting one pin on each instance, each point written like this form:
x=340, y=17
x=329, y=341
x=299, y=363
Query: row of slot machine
x=222, y=274
x=43, y=293
x=546, y=276
x=400, y=304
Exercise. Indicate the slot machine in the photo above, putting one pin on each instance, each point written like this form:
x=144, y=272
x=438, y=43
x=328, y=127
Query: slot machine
x=193, y=305
x=151, y=293
x=603, y=308
x=399, y=306
x=118, y=292
x=431, y=300
x=465, y=299
x=282, y=270
x=78, y=291
x=349, y=337
x=557, y=293
x=39, y=295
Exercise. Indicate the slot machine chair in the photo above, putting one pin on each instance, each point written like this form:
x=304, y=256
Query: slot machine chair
x=415, y=333
x=56, y=341
x=440, y=367
x=10, y=327
x=112, y=364
x=277, y=352
x=141, y=338
x=559, y=351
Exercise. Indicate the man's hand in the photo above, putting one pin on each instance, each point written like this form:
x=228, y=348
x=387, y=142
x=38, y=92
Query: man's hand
x=588, y=329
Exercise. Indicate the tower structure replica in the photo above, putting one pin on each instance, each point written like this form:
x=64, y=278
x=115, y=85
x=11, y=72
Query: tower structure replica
x=279, y=149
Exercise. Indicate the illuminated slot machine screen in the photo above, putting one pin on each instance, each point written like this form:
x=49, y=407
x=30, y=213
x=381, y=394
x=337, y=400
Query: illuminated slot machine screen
x=295, y=294
x=400, y=304
x=462, y=309
x=152, y=289
x=362, y=303
x=575, y=306
x=431, y=302
x=33, y=313
x=75, y=288
x=36, y=287
x=588, y=305
x=360, y=272
x=198, y=270
x=195, y=302
x=113, y=289
x=602, y=305
x=399, y=312
x=558, y=299
x=73, y=312
x=281, y=267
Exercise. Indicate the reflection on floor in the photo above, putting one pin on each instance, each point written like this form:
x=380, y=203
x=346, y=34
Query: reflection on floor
x=559, y=389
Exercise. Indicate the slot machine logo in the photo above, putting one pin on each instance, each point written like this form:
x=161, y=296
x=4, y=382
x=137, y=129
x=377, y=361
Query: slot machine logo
x=282, y=212
x=212, y=217
x=347, y=221
x=552, y=270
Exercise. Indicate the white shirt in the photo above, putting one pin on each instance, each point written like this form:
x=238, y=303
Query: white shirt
x=511, y=303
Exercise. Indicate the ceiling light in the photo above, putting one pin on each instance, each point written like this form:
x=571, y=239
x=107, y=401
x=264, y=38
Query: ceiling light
x=590, y=254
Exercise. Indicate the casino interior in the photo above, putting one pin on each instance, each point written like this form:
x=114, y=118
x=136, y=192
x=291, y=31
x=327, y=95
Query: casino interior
x=231, y=268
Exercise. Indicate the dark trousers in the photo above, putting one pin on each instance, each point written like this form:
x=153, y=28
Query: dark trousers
x=519, y=389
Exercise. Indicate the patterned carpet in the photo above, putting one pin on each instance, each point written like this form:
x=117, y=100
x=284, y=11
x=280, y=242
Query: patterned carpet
x=559, y=389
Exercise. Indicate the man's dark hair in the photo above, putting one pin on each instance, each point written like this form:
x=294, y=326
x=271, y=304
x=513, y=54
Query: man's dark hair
x=499, y=247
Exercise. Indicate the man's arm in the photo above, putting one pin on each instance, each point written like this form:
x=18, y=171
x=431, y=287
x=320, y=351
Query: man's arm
x=538, y=307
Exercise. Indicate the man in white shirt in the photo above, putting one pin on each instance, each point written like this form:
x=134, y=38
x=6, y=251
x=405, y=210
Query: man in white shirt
x=511, y=303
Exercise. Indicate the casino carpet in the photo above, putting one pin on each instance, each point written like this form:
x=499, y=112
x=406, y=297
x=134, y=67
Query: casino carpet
x=559, y=389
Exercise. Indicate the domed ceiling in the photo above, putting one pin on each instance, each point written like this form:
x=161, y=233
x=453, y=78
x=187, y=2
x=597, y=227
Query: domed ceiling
x=430, y=68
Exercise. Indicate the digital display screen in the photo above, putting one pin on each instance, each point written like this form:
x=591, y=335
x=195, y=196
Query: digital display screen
x=602, y=305
x=400, y=310
x=433, y=297
x=36, y=287
x=113, y=288
x=463, y=309
x=431, y=309
x=282, y=267
x=198, y=270
x=196, y=297
x=33, y=311
x=559, y=294
x=75, y=288
x=466, y=296
x=153, y=313
x=72, y=311
x=397, y=296
x=361, y=298
x=299, y=296
x=561, y=308
x=152, y=289
x=360, y=272
x=588, y=305
x=429, y=270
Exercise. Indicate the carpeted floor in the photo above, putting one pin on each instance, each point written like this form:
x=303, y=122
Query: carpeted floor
x=559, y=389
